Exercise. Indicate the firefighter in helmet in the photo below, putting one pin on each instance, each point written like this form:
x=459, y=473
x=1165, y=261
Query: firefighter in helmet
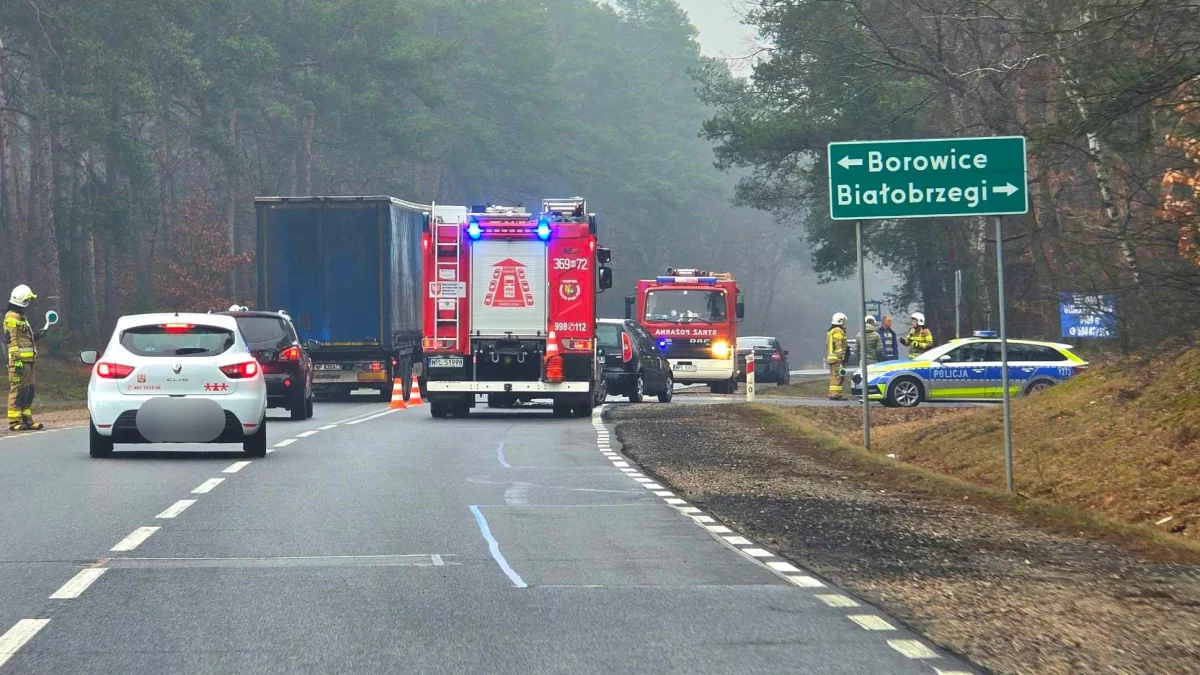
x=20, y=336
x=919, y=339
x=836, y=352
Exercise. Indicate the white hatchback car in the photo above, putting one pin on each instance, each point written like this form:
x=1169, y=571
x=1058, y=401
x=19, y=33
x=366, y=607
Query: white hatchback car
x=176, y=378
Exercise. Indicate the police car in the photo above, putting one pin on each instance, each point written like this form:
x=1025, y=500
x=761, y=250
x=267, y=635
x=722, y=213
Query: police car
x=968, y=369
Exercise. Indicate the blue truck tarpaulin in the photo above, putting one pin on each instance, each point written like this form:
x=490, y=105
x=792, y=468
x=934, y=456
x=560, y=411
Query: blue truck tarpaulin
x=1088, y=315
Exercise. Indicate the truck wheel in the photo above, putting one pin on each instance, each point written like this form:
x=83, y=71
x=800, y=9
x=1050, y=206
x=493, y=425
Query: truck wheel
x=99, y=446
x=439, y=409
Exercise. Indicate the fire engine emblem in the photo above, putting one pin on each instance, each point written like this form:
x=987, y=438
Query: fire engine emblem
x=568, y=289
x=508, y=287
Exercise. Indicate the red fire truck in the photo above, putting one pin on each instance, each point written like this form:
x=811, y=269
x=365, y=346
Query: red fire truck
x=510, y=308
x=693, y=316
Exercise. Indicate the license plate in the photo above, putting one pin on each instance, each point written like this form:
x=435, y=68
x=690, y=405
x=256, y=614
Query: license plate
x=372, y=377
x=327, y=376
x=685, y=368
x=327, y=366
x=446, y=362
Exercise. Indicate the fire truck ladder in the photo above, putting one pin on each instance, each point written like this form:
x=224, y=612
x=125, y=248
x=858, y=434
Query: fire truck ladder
x=448, y=240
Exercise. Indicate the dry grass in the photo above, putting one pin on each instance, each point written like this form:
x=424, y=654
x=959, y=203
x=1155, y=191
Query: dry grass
x=807, y=387
x=58, y=380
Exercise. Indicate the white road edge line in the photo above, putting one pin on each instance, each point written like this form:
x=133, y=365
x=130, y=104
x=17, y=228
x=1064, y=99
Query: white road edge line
x=134, y=539
x=236, y=467
x=871, y=622
x=834, y=600
x=78, y=583
x=783, y=567
x=207, y=486
x=18, y=635
x=913, y=649
x=806, y=582
x=176, y=508
x=758, y=553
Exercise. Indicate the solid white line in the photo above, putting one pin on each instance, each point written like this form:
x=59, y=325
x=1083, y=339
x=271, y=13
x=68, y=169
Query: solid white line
x=78, y=583
x=718, y=529
x=758, y=552
x=285, y=442
x=207, y=486
x=134, y=539
x=871, y=622
x=806, y=582
x=236, y=467
x=374, y=417
x=18, y=635
x=913, y=649
x=348, y=419
x=306, y=434
x=176, y=508
x=652, y=486
x=783, y=567
x=738, y=541
x=838, y=601
x=676, y=501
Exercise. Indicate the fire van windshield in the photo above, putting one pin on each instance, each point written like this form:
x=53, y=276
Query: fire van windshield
x=685, y=306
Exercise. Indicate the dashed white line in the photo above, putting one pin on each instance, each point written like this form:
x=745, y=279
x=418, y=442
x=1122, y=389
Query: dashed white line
x=207, y=486
x=661, y=493
x=758, y=552
x=738, y=541
x=621, y=465
x=134, y=539
x=643, y=479
x=652, y=486
x=327, y=427
x=689, y=510
x=805, y=582
x=704, y=520
x=306, y=434
x=913, y=649
x=176, y=508
x=628, y=471
x=18, y=635
x=236, y=467
x=783, y=567
x=838, y=601
x=78, y=583
x=871, y=622
x=718, y=529
x=674, y=501
x=285, y=442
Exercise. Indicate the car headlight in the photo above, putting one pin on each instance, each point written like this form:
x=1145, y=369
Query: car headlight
x=720, y=349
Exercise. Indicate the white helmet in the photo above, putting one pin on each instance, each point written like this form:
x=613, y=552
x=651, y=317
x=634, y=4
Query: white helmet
x=871, y=319
x=235, y=308
x=919, y=317
x=21, y=295
x=838, y=319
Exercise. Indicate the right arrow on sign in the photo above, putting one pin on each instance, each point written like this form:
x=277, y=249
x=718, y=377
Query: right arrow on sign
x=1007, y=189
x=846, y=162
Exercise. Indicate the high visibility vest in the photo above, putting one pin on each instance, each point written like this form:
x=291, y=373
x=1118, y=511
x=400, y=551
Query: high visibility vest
x=919, y=341
x=19, y=336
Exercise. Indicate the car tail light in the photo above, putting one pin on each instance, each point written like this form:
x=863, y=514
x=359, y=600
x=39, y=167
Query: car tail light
x=290, y=354
x=177, y=327
x=626, y=347
x=238, y=371
x=576, y=344
x=113, y=371
x=376, y=367
x=554, y=369
x=776, y=357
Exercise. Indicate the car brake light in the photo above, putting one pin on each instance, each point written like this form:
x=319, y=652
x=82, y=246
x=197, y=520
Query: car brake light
x=113, y=371
x=290, y=354
x=626, y=347
x=240, y=370
x=177, y=327
x=554, y=369
x=776, y=357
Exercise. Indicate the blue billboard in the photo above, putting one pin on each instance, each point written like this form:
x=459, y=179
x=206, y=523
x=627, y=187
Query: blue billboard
x=1088, y=315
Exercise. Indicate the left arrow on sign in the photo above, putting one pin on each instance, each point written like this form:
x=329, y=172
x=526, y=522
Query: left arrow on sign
x=846, y=162
x=1007, y=189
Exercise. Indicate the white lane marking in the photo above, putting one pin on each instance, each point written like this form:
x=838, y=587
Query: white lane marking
x=134, y=539
x=662, y=493
x=306, y=434
x=176, y=508
x=327, y=427
x=628, y=471
x=635, y=475
x=374, y=417
x=718, y=529
x=758, y=552
x=643, y=479
x=271, y=451
x=838, y=601
x=78, y=583
x=621, y=465
x=675, y=501
x=652, y=486
x=285, y=442
x=913, y=649
x=871, y=622
x=806, y=582
x=18, y=635
x=236, y=467
x=689, y=510
x=358, y=416
x=738, y=541
x=704, y=520
x=437, y=559
x=207, y=486
x=783, y=567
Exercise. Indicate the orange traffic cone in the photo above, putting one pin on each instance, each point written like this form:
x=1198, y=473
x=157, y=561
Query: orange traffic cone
x=414, y=394
x=397, y=394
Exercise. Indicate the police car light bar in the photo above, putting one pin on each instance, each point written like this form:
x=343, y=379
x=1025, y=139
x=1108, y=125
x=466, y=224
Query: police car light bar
x=984, y=334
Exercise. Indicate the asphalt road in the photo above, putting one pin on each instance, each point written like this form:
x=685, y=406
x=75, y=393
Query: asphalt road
x=377, y=542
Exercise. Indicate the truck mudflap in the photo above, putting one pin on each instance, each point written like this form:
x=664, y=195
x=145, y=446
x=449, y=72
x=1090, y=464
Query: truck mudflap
x=509, y=387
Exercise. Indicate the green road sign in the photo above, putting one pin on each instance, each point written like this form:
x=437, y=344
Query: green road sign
x=925, y=178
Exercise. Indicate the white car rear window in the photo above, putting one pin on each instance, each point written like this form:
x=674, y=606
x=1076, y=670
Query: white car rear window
x=177, y=340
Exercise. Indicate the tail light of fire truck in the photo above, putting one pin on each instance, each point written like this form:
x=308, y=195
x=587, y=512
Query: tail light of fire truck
x=554, y=369
x=576, y=344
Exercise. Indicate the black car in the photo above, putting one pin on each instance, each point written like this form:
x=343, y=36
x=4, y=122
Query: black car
x=632, y=366
x=286, y=364
x=771, y=359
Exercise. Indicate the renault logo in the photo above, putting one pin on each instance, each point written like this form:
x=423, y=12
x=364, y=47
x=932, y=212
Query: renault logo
x=177, y=367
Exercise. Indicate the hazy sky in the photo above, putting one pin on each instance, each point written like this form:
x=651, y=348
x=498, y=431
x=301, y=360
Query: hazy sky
x=721, y=31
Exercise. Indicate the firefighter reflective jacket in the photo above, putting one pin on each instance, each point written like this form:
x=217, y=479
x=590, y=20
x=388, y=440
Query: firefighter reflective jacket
x=919, y=340
x=835, y=345
x=18, y=334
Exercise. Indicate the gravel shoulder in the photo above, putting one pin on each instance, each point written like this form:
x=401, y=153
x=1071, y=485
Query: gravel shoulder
x=974, y=575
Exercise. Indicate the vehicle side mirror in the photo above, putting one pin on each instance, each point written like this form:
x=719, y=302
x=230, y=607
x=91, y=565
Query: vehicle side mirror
x=89, y=357
x=606, y=278
x=741, y=307
x=630, y=301
x=944, y=358
x=603, y=255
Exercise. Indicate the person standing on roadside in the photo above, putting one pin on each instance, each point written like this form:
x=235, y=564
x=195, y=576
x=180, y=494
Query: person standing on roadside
x=919, y=339
x=871, y=342
x=888, y=340
x=20, y=336
x=836, y=350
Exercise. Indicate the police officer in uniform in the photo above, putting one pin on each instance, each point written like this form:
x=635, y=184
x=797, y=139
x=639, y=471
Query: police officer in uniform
x=836, y=349
x=20, y=337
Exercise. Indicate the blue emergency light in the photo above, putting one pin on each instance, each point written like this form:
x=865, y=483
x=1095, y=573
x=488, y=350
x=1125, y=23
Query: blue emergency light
x=663, y=343
x=984, y=333
x=543, y=229
x=473, y=230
